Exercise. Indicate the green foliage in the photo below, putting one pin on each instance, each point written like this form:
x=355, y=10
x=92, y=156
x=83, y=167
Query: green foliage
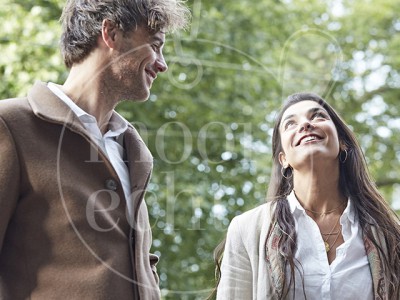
x=208, y=121
x=29, y=45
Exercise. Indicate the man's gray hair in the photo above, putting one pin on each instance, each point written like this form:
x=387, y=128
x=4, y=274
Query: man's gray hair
x=82, y=21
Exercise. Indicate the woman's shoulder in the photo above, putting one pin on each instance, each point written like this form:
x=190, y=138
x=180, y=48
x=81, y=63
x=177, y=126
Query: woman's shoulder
x=249, y=230
x=261, y=212
x=253, y=221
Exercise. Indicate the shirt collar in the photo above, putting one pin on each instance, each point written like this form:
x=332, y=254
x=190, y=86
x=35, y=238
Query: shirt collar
x=68, y=101
x=349, y=211
x=295, y=207
x=294, y=204
x=117, y=124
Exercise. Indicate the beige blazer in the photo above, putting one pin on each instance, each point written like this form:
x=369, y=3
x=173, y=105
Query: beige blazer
x=64, y=230
x=254, y=269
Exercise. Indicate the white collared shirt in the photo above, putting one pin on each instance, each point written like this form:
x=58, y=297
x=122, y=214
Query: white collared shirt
x=107, y=142
x=348, y=276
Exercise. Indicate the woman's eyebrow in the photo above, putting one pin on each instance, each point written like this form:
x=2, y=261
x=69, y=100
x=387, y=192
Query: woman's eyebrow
x=315, y=109
x=310, y=111
x=288, y=117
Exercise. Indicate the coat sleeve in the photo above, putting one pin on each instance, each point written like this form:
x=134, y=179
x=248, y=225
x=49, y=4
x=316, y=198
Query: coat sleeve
x=236, y=271
x=9, y=179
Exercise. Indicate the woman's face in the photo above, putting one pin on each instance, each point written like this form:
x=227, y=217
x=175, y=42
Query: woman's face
x=308, y=136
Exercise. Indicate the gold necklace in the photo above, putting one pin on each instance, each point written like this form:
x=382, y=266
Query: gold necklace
x=325, y=212
x=331, y=233
x=327, y=246
x=333, y=244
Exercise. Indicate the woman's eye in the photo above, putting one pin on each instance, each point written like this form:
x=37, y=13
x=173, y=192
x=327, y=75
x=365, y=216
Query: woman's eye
x=289, y=124
x=318, y=115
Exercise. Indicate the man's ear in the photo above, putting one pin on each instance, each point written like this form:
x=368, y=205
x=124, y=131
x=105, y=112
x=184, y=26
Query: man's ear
x=109, y=32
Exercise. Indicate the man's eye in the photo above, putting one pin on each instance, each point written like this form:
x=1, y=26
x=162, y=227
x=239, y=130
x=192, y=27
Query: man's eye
x=156, y=47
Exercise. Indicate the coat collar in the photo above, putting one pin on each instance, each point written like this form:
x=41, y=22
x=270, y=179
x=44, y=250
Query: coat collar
x=46, y=106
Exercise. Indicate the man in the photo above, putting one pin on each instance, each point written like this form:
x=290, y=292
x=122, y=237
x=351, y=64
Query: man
x=73, y=222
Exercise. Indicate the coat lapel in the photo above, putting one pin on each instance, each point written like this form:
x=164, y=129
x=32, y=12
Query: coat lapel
x=140, y=163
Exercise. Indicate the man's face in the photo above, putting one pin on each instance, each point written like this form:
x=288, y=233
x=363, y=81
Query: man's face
x=136, y=62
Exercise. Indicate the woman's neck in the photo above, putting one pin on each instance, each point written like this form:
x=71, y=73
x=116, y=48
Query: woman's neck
x=318, y=190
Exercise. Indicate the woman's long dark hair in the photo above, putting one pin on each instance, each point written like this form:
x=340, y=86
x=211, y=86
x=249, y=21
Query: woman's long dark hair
x=354, y=182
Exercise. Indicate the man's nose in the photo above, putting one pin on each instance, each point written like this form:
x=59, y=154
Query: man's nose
x=161, y=65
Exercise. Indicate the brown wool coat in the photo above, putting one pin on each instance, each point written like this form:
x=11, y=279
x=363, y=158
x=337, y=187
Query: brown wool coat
x=64, y=233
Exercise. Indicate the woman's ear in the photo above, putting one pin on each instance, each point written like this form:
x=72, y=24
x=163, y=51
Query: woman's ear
x=282, y=160
x=342, y=146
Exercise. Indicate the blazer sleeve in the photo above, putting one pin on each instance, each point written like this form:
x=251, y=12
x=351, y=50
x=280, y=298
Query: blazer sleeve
x=9, y=178
x=236, y=271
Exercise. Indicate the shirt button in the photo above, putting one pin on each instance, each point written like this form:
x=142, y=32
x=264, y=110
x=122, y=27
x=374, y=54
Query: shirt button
x=111, y=184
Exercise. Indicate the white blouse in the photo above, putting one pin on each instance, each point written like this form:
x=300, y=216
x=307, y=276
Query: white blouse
x=348, y=276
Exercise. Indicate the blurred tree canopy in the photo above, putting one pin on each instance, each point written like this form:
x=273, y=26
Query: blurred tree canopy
x=209, y=119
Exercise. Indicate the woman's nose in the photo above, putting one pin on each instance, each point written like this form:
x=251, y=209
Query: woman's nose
x=306, y=126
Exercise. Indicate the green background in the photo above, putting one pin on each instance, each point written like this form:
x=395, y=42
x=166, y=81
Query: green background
x=209, y=119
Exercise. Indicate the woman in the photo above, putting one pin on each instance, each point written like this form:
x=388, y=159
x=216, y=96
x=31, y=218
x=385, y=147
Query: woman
x=327, y=233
